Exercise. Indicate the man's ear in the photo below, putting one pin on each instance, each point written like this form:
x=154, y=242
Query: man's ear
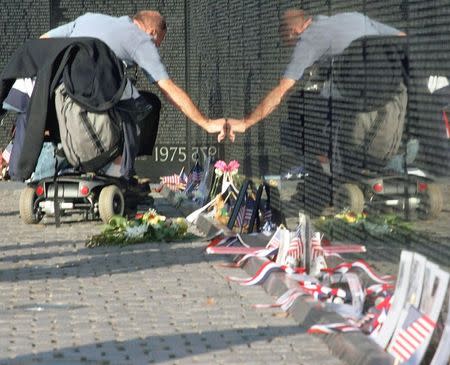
x=138, y=24
x=153, y=32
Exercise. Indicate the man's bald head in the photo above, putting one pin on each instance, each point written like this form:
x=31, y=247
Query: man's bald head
x=153, y=23
x=293, y=17
x=293, y=23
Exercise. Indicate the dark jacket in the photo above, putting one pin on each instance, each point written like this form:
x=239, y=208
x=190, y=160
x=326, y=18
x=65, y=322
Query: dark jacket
x=92, y=74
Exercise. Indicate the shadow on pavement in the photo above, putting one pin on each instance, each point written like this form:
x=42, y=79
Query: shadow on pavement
x=158, y=348
x=103, y=261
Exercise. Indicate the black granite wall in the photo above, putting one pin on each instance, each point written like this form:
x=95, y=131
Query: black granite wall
x=228, y=55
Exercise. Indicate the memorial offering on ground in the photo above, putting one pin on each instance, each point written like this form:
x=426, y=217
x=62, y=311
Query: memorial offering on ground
x=147, y=227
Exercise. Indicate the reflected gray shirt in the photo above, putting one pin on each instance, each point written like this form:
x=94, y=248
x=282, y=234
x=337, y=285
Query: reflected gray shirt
x=126, y=40
x=329, y=36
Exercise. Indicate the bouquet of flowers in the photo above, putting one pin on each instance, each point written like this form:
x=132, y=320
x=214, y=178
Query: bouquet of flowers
x=377, y=225
x=149, y=226
x=224, y=174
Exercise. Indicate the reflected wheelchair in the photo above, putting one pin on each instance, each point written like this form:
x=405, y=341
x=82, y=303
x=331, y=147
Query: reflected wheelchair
x=412, y=191
x=367, y=85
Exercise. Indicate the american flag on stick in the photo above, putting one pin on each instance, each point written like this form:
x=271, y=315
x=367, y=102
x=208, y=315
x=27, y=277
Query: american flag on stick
x=267, y=213
x=245, y=213
x=415, y=330
x=325, y=329
x=174, y=182
x=194, y=177
x=296, y=248
x=275, y=240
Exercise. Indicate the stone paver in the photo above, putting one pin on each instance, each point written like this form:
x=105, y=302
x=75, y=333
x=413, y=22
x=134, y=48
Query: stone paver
x=61, y=303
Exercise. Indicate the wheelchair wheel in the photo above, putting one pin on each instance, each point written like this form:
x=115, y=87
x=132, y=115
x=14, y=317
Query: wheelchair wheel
x=28, y=212
x=110, y=203
x=431, y=202
x=349, y=197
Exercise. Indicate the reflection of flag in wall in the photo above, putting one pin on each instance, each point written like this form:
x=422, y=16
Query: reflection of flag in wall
x=416, y=329
x=316, y=245
x=447, y=123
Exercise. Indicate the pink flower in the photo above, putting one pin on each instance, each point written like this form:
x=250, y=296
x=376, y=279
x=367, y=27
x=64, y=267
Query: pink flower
x=221, y=165
x=233, y=166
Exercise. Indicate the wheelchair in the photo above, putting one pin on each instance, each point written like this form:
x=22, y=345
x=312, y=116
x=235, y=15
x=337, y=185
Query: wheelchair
x=93, y=195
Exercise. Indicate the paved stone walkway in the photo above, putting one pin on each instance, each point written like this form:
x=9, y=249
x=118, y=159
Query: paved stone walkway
x=62, y=303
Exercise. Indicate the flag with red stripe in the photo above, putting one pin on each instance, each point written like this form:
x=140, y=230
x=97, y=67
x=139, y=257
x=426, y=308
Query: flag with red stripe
x=194, y=178
x=175, y=182
x=275, y=240
x=446, y=122
x=332, y=328
x=264, y=271
x=416, y=329
x=295, y=248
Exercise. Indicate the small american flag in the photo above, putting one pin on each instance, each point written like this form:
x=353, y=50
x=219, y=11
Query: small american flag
x=267, y=213
x=226, y=241
x=275, y=240
x=316, y=245
x=173, y=179
x=416, y=328
x=295, y=248
x=245, y=213
x=174, y=182
x=379, y=312
x=250, y=206
x=240, y=217
x=332, y=328
x=195, y=175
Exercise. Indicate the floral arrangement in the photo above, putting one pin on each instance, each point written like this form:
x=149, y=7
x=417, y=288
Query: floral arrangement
x=375, y=224
x=224, y=172
x=221, y=167
x=149, y=226
x=224, y=179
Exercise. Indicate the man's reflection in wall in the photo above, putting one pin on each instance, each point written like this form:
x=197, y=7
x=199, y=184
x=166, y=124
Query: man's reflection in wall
x=306, y=136
x=335, y=129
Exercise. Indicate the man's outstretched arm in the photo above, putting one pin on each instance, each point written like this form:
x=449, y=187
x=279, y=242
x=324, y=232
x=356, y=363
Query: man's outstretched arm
x=270, y=102
x=181, y=100
x=266, y=106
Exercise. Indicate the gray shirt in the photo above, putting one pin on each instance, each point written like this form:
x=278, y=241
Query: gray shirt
x=127, y=41
x=329, y=36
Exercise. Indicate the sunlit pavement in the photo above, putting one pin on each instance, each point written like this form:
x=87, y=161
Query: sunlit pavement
x=62, y=303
